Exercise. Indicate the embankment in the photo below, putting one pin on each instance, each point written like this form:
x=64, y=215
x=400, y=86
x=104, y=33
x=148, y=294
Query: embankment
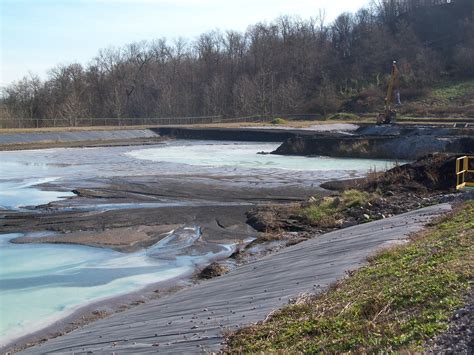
x=383, y=143
x=33, y=140
x=231, y=134
x=375, y=142
x=369, y=141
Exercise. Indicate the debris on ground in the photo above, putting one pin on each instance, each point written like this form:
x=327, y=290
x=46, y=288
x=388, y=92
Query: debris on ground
x=214, y=270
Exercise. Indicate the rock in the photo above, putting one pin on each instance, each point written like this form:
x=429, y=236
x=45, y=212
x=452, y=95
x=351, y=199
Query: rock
x=214, y=270
x=274, y=219
x=295, y=241
x=348, y=223
x=336, y=202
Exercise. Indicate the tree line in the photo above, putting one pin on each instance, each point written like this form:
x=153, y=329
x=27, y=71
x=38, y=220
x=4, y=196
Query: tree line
x=288, y=66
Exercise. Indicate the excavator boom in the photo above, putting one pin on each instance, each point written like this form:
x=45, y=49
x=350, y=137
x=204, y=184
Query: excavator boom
x=389, y=115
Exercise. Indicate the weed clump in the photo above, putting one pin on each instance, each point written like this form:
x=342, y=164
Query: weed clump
x=344, y=116
x=329, y=211
x=279, y=121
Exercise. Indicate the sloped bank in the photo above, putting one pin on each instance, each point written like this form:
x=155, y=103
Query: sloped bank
x=431, y=173
x=230, y=134
x=370, y=141
x=76, y=138
x=402, y=298
x=376, y=147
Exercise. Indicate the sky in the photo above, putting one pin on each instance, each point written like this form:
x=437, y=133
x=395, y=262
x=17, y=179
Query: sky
x=37, y=35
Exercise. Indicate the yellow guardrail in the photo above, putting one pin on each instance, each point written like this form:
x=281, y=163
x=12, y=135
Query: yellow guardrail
x=463, y=166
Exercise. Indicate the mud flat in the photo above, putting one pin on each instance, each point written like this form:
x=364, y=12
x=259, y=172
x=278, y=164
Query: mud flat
x=131, y=206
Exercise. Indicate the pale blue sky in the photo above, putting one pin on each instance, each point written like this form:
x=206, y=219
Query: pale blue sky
x=36, y=35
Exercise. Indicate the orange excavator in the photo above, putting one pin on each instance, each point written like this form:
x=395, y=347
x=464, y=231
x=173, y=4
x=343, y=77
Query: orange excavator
x=389, y=115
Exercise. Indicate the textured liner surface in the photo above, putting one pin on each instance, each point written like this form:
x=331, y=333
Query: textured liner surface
x=19, y=138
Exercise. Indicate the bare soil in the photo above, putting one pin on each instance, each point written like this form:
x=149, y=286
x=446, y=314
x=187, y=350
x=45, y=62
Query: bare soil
x=434, y=172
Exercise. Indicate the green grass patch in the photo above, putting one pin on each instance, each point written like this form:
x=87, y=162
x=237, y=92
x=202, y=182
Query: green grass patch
x=278, y=121
x=404, y=296
x=346, y=116
x=329, y=210
x=447, y=93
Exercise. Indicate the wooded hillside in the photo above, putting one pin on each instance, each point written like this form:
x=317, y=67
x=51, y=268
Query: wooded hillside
x=287, y=66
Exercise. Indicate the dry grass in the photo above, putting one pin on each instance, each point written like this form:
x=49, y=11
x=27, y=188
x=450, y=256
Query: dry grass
x=329, y=211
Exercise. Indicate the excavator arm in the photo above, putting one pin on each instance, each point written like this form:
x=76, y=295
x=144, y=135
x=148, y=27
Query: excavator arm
x=389, y=115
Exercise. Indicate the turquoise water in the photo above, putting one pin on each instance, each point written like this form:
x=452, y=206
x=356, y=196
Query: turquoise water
x=41, y=283
x=21, y=193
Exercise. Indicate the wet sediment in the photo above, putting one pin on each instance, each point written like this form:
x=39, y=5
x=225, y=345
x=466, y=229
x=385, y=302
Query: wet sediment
x=220, y=211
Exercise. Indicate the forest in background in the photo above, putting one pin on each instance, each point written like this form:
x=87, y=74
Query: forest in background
x=287, y=66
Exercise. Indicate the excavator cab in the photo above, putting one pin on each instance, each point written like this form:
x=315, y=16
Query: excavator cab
x=389, y=115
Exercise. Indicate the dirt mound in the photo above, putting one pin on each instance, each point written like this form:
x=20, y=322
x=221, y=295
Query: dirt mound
x=274, y=218
x=432, y=172
x=213, y=270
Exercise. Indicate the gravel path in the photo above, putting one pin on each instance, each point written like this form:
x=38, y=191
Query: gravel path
x=194, y=320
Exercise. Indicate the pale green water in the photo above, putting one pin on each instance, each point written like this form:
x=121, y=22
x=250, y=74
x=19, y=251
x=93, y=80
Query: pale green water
x=244, y=156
